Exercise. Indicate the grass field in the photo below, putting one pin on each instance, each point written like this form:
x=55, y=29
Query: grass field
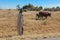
x=32, y=27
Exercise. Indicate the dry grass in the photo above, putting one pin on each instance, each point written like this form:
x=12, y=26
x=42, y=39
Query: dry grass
x=8, y=21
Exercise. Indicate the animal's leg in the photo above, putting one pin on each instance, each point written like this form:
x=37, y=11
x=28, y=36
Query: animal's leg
x=46, y=17
x=37, y=17
x=41, y=17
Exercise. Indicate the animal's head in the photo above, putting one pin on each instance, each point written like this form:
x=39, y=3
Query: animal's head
x=49, y=14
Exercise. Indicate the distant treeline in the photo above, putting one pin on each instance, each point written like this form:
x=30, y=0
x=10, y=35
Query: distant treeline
x=52, y=9
x=30, y=7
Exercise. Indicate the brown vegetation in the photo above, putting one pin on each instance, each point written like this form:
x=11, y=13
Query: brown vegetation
x=8, y=23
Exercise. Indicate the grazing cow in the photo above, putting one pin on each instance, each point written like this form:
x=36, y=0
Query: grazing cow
x=43, y=14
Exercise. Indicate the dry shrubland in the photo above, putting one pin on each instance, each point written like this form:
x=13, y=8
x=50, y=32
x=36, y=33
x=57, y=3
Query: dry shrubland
x=8, y=23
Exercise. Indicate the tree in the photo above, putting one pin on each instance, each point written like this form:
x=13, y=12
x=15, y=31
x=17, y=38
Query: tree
x=18, y=7
x=36, y=8
x=53, y=9
x=28, y=7
x=57, y=7
x=25, y=7
x=40, y=8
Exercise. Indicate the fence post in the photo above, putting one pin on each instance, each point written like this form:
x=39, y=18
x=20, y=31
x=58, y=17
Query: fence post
x=19, y=23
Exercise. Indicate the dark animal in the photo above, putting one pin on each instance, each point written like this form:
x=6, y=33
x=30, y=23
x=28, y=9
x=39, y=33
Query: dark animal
x=43, y=14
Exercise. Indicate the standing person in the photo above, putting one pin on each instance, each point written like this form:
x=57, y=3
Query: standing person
x=19, y=23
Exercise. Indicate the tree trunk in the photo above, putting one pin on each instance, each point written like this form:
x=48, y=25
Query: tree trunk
x=19, y=23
